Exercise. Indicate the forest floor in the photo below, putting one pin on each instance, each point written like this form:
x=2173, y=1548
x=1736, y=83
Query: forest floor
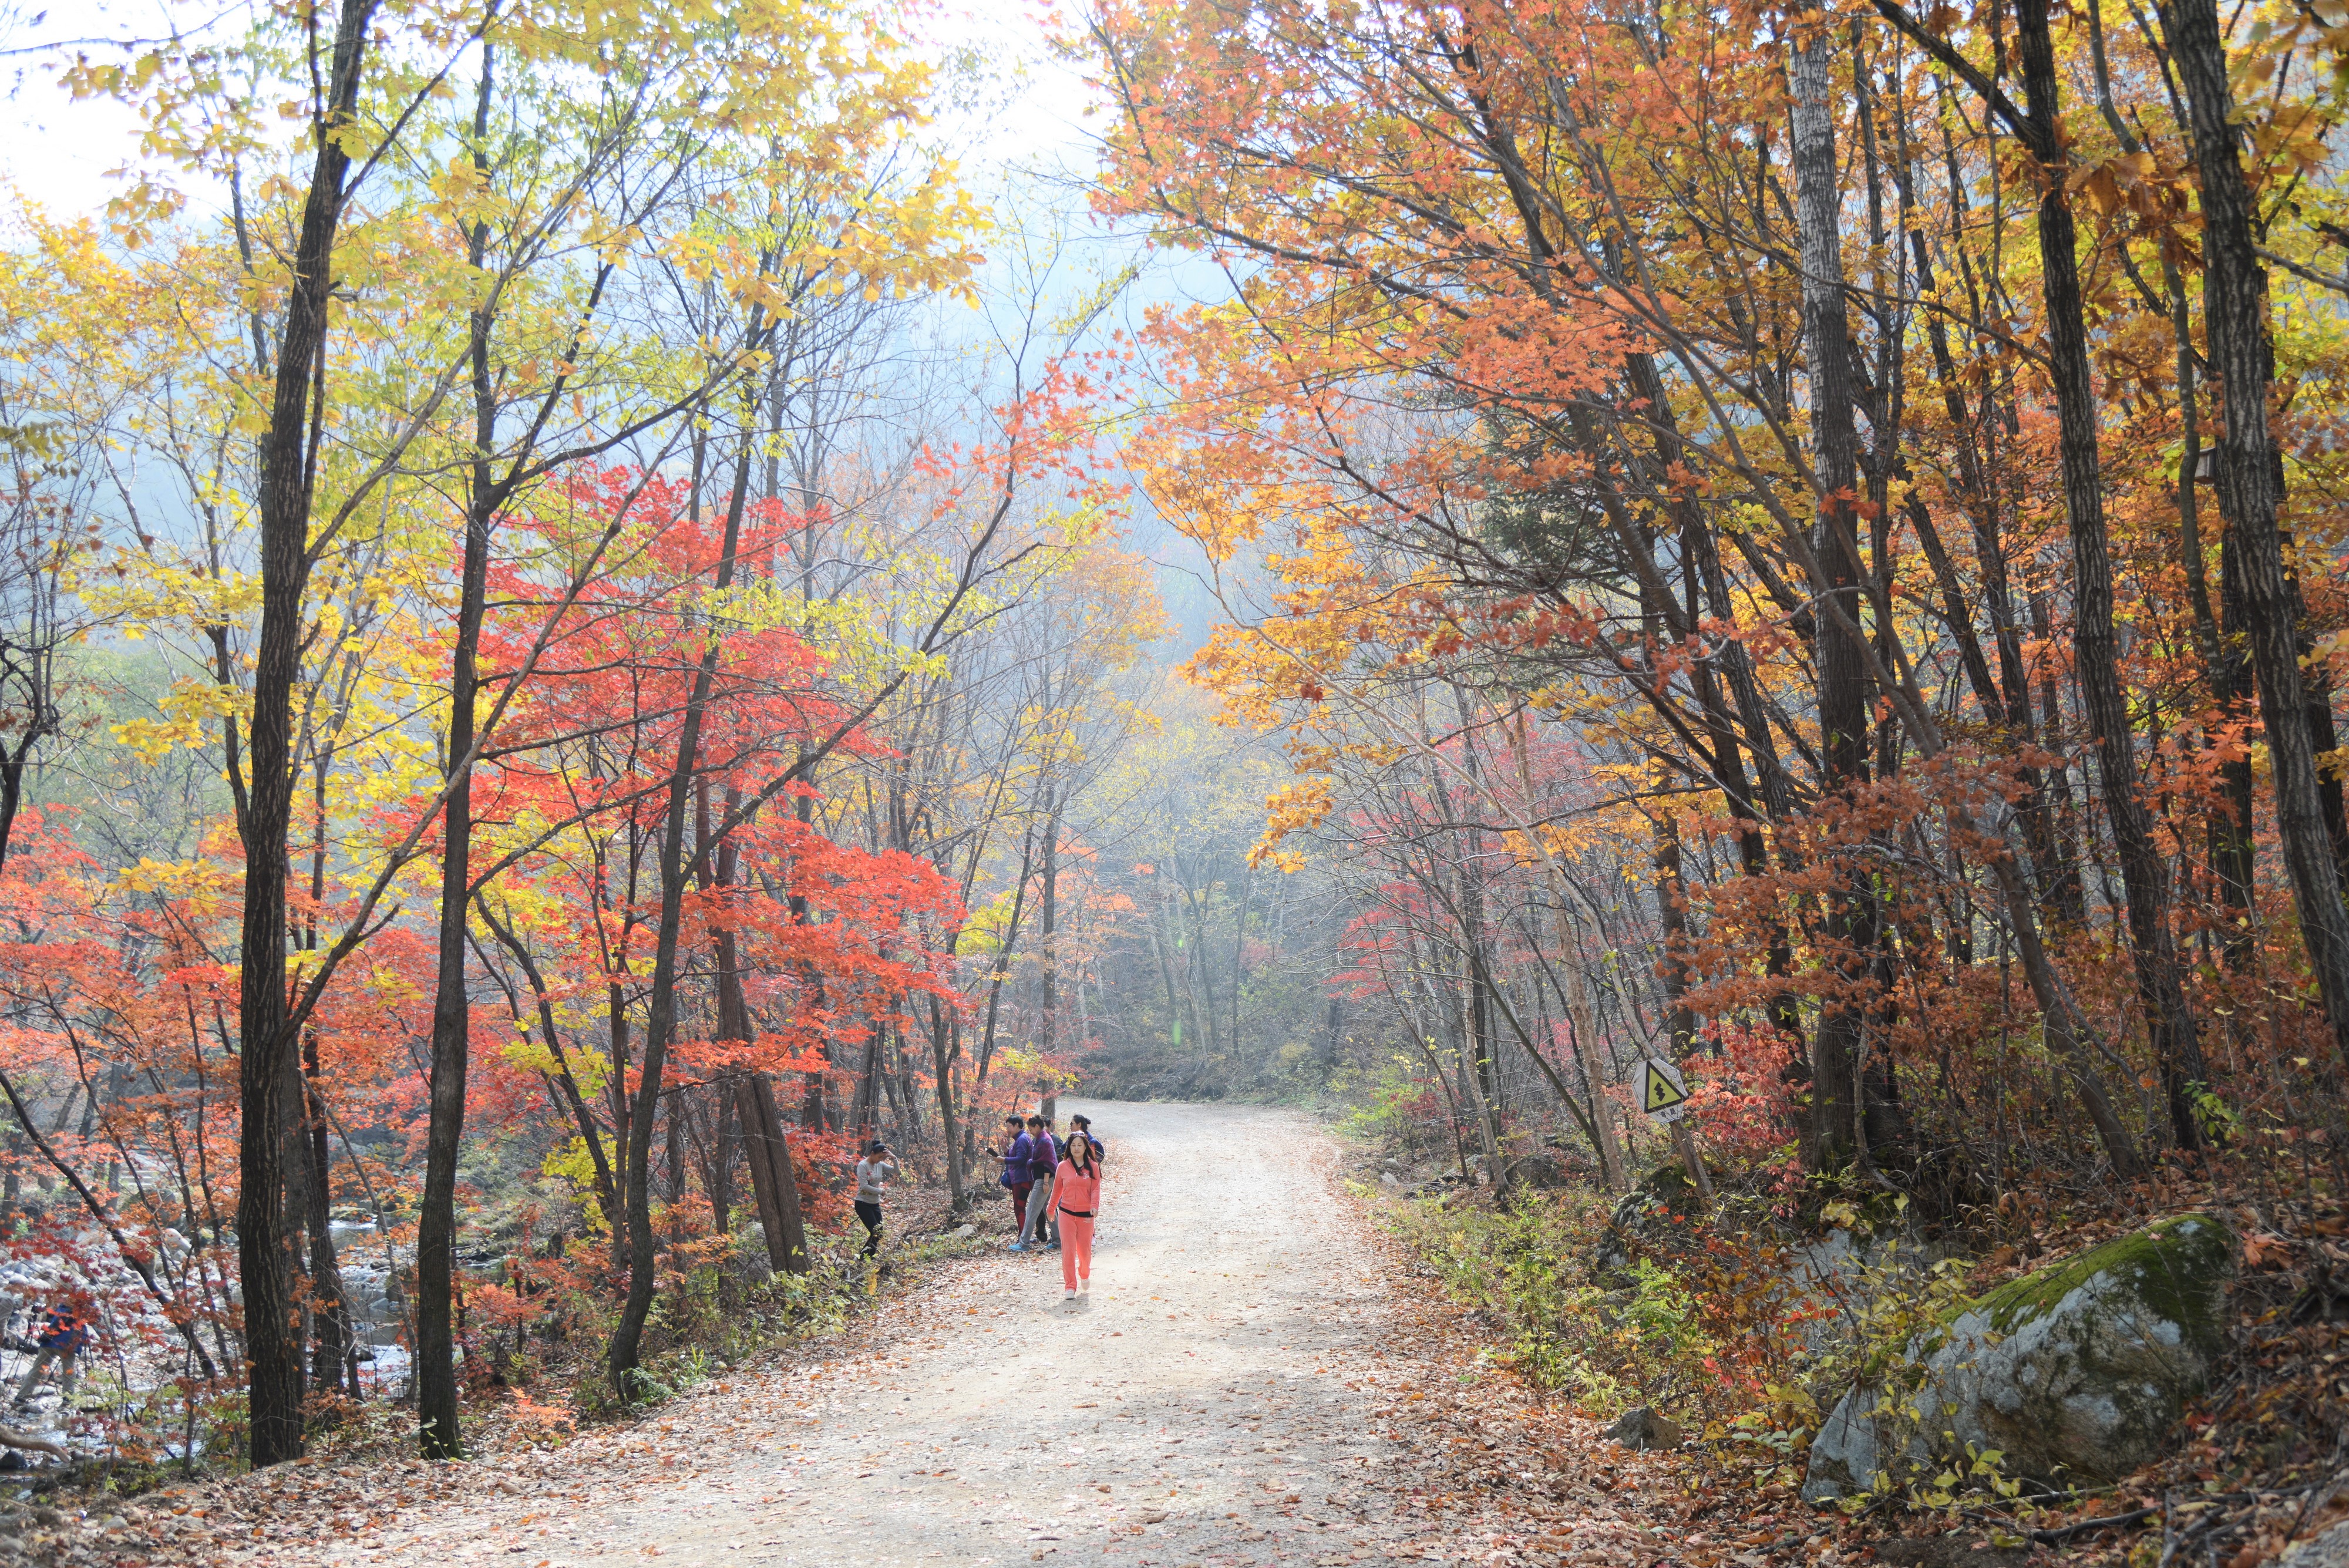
x=1255, y=1378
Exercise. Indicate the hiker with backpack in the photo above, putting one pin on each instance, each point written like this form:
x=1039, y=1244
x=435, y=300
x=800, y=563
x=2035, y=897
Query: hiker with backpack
x=1045, y=1155
x=1076, y=1194
x=1017, y=1151
x=65, y=1334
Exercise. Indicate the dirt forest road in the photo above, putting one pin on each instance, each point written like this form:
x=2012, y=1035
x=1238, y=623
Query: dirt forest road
x=1224, y=1396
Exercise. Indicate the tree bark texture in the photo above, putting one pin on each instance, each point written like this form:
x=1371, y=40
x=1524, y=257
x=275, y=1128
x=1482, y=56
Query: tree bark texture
x=266, y=1048
x=452, y=1015
x=2144, y=874
x=773, y=1184
x=2234, y=291
x=1852, y=923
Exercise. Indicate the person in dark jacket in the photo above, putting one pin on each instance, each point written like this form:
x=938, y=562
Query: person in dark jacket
x=65, y=1334
x=1017, y=1152
x=1044, y=1161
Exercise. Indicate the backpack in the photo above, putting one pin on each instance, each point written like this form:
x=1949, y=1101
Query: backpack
x=63, y=1331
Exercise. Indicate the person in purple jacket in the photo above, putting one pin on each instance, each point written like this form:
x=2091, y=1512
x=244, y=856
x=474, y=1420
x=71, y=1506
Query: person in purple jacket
x=1018, y=1150
x=1043, y=1163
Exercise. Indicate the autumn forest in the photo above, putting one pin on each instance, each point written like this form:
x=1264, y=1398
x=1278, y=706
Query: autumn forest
x=602, y=604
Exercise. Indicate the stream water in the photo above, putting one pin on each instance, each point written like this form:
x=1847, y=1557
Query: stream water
x=134, y=1359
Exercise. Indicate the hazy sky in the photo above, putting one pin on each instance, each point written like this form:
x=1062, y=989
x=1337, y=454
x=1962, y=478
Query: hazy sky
x=55, y=151
x=1026, y=127
x=61, y=154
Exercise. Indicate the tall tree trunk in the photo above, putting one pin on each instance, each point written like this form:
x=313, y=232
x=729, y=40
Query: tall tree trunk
x=2234, y=290
x=1000, y=968
x=2006, y=700
x=724, y=862
x=1460, y=1004
x=1475, y=928
x=896, y=1082
x=1474, y=1011
x=452, y=1017
x=673, y=1112
x=946, y=1046
x=866, y=1115
x=773, y=1181
x=12, y=1183
x=265, y=1046
x=2144, y=874
x=1198, y=960
x=1182, y=1002
x=1852, y=920
x=2226, y=671
x=620, y=1034
x=722, y=1139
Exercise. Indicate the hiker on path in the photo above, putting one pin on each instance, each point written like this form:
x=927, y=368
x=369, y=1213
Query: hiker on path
x=877, y=1168
x=1017, y=1148
x=65, y=1334
x=1044, y=1156
x=1076, y=1191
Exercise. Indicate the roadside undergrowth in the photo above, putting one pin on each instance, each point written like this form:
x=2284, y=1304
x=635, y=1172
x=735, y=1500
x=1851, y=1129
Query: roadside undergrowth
x=531, y=1379
x=1594, y=1307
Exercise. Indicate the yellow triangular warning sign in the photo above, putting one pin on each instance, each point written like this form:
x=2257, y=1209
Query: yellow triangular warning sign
x=1662, y=1092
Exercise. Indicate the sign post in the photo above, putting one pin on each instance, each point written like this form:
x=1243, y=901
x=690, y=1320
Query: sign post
x=1664, y=1097
x=1663, y=1093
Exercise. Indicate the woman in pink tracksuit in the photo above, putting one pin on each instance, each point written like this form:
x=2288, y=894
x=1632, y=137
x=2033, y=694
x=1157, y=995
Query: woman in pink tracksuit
x=1076, y=1193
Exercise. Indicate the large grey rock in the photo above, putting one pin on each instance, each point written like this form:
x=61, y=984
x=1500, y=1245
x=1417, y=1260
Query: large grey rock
x=1829, y=1282
x=2074, y=1374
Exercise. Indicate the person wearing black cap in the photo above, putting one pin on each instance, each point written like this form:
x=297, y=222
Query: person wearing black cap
x=874, y=1168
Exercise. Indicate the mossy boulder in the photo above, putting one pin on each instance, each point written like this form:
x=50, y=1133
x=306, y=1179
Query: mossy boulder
x=2075, y=1374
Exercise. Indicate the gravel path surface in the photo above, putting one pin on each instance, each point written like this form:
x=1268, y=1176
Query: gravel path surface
x=1222, y=1397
